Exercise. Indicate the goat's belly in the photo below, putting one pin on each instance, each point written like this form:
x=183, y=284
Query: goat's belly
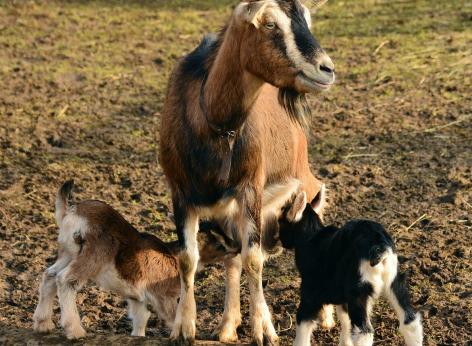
x=273, y=199
x=225, y=208
x=109, y=279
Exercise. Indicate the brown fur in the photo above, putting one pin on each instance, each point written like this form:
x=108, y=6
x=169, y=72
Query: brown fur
x=235, y=88
x=94, y=239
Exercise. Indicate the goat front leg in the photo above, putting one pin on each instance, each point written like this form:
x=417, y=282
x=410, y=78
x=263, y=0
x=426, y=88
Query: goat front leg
x=183, y=330
x=227, y=330
x=252, y=258
x=307, y=314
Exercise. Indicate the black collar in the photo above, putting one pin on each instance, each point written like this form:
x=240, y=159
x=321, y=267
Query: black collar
x=225, y=133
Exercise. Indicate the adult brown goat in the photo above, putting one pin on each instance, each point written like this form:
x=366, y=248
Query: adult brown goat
x=231, y=140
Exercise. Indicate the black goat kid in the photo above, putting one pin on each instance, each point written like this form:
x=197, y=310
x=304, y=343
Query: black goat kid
x=349, y=267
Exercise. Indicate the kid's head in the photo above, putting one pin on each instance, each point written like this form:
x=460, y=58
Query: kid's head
x=298, y=217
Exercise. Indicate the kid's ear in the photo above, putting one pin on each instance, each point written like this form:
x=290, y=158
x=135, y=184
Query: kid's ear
x=295, y=212
x=319, y=202
x=251, y=12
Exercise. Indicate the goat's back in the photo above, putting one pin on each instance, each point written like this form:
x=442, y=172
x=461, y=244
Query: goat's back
x=102, y=235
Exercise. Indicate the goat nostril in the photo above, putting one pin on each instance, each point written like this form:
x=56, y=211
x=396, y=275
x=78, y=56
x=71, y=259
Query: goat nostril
x=326, y=69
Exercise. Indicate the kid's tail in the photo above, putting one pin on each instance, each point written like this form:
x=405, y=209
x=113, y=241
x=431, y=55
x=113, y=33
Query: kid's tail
x=378, y=253
x=64, y=200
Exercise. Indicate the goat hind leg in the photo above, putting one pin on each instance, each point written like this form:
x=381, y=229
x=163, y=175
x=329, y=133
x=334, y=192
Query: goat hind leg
x=410, y=322
x=68, y=283
x=139, y=313
x=43, y=314
x=47, y=291
x=227, y=329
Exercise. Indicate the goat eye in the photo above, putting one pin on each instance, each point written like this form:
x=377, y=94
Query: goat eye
x=270, y=25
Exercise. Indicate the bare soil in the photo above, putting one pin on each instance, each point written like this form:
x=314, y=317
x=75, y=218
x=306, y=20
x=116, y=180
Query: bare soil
x=81, y=90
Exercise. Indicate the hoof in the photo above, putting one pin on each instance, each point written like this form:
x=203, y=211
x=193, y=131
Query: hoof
x=180, y=341
x=76, y=333
x=271, y=340
x=43, y=326
x=183, y=334
x=266, y=341
x=226, y=333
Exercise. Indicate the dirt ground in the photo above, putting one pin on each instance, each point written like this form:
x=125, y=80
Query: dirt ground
x=81, y=90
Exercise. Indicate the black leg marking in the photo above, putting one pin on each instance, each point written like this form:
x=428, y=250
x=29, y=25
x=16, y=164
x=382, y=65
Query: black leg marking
x=358, y=313
x=400, y=290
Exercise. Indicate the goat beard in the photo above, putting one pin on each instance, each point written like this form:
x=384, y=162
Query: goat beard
x=295, y=104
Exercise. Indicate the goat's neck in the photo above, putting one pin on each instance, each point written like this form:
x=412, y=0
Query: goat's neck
x=229, y=91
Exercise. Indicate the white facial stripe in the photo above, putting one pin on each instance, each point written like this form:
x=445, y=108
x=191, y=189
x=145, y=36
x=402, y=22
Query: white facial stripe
x=293, y=53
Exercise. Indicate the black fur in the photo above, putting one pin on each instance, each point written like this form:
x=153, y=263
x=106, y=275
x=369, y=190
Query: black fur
x=194, y=64
x=279, y=43
x=304, y=39
x=328, y=260
x=400, y=289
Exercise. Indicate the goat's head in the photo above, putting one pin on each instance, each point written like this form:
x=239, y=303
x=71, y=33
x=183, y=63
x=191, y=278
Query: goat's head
x=278, y=46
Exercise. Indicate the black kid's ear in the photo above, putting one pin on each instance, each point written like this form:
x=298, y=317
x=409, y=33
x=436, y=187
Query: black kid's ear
x=295, y=211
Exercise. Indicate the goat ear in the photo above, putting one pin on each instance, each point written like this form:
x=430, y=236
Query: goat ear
x=295, y=213
x=319, y=202
x=251, y=12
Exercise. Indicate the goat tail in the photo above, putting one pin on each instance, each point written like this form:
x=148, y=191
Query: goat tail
x=64, y=200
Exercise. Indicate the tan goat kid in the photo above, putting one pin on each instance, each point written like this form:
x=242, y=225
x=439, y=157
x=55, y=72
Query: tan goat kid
x=96, y=243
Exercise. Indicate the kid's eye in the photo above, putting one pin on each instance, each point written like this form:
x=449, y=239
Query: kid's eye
x=270, y=25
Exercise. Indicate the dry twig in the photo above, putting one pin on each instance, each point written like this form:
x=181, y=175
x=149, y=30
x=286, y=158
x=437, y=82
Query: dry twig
x=440, y=127
x=422, y=217
x=350, y=156
x=380, y=46
x=289, y=327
